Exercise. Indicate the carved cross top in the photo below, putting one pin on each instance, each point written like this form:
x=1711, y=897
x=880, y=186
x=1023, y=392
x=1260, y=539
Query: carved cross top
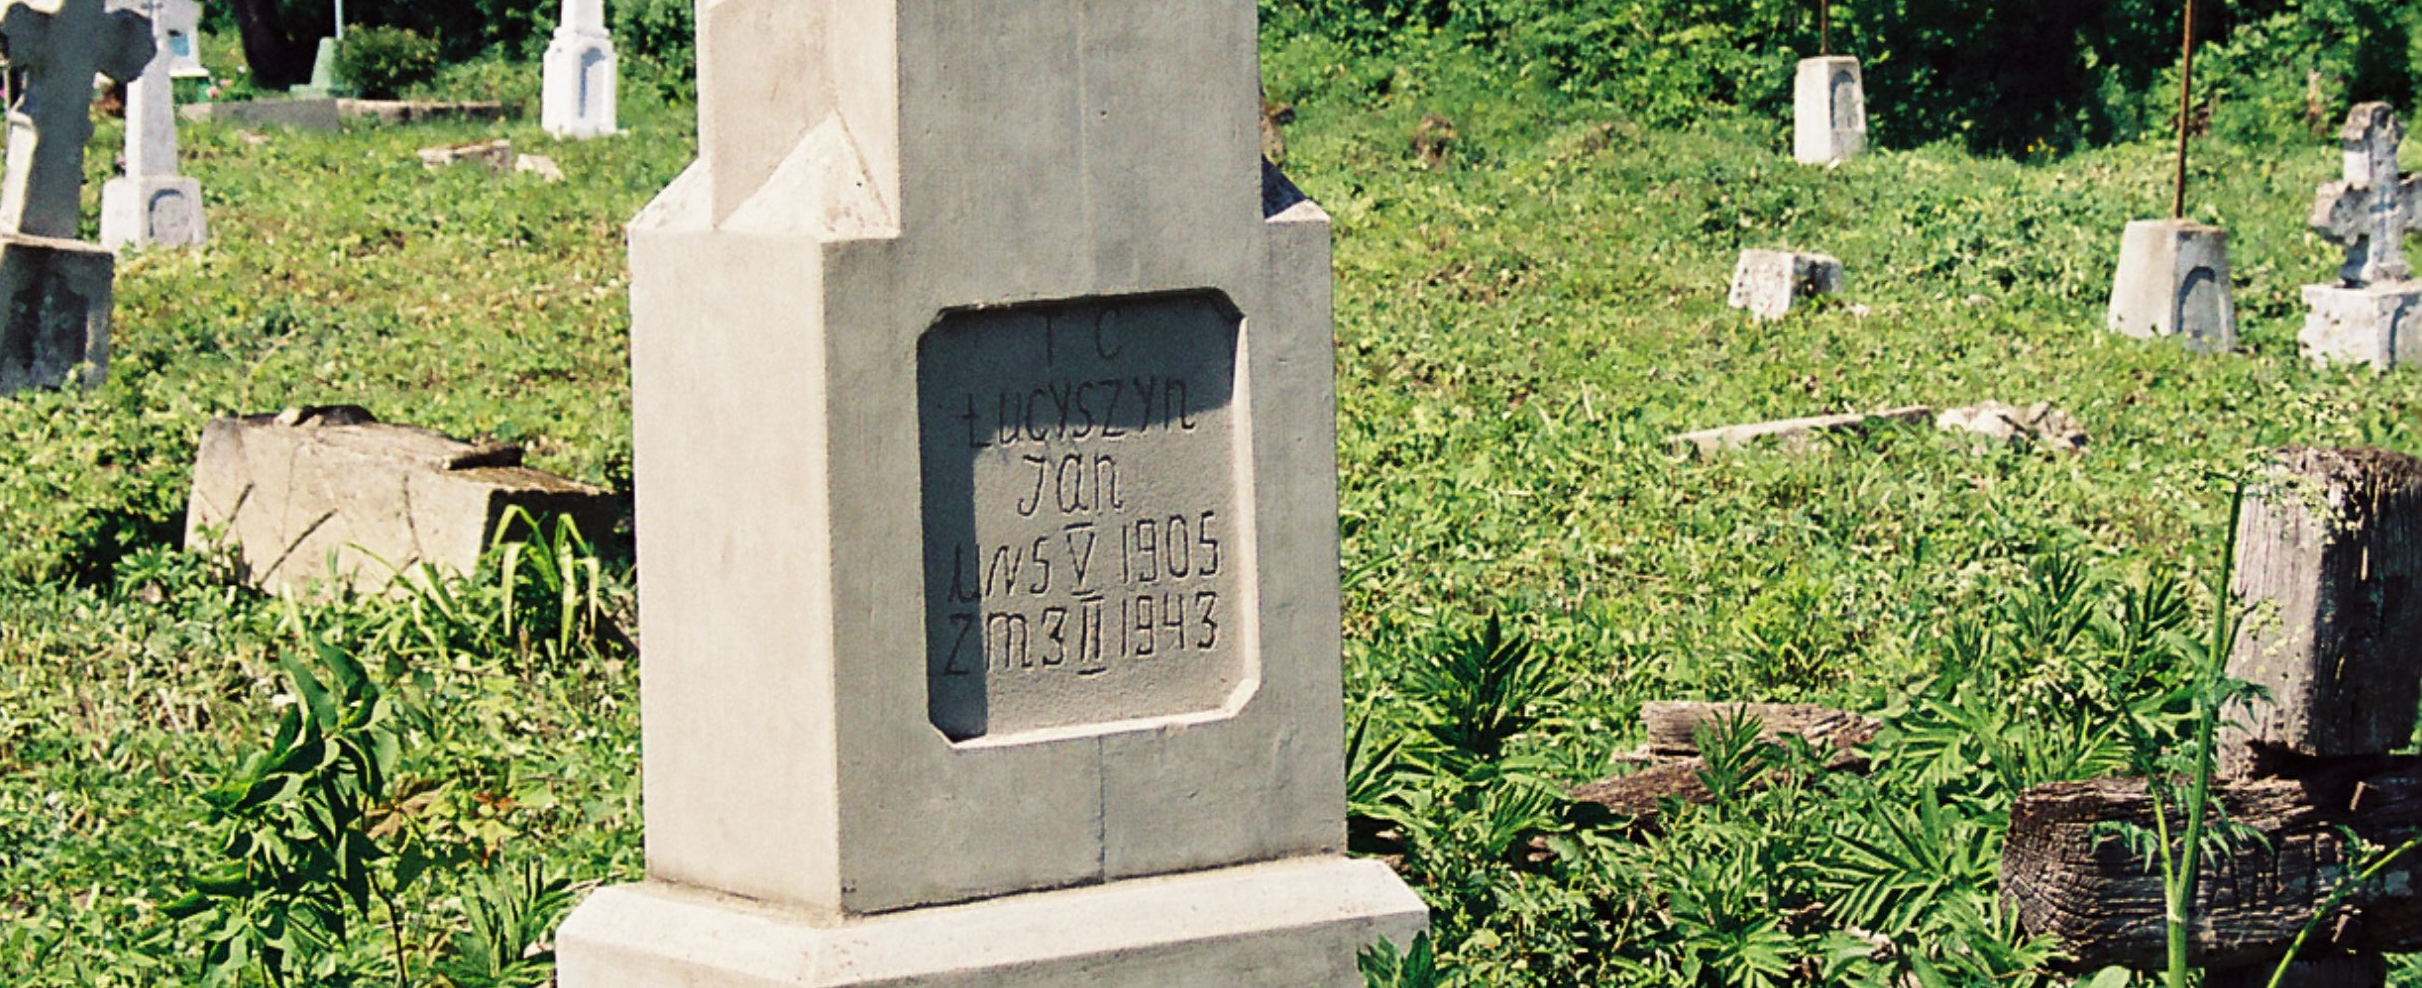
x=60, y=45
x=2371, y=210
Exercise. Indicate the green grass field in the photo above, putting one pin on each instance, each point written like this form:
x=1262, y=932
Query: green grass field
x=1518, y=333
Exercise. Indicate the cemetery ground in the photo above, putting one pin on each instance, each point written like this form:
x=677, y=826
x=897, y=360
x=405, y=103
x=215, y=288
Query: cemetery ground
x=1527, y=560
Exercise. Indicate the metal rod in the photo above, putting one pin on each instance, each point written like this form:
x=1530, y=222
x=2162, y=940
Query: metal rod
x=1824, y=27
x=2186, y=107
x=340, y=20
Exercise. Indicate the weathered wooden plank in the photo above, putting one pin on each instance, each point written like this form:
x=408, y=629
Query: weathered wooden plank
x=2072, y=880
x=1673, y=726
x=2329, y=553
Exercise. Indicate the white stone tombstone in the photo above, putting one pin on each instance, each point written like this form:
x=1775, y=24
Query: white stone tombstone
x=1829, y=111
x=1769, y=282
x=152, y=204
x=2374, y=314
x=57, y=291
x=984, y=412
x=2173, y=280
x=582, y=77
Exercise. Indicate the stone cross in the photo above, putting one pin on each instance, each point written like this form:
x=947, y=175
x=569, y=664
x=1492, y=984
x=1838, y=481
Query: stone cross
x=60, y=50
x=2373, y=208
x=151, y=203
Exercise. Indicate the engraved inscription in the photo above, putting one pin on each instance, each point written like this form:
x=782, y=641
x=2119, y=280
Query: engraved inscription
x=1079, y=513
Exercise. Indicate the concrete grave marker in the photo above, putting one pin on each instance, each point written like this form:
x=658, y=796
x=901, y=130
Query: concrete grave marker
x=986, y=463
x=2173, y=280
x=1769, y=282
x=1829, y=111
x=152, y=204
x=58, y=291
x=2374, y=315
x=582, y=74
x=291, y=492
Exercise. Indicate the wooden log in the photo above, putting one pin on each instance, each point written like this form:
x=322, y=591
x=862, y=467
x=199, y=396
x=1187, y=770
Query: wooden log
x=1673, y=726
x=2071, y=879
x=2329, y=555
x=2368, y=970
x=1640, y=794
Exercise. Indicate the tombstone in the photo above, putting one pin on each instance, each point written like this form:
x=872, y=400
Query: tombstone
x=178, y=27
x=323, y=84
x=2173, y=280
x=1769, y=282
x=495, y=155
x=330, y=497
x=1829, y=111
x=2374, y=314
x=152, y=204
x=984, y=411
x=581, y=74
x=58, y=291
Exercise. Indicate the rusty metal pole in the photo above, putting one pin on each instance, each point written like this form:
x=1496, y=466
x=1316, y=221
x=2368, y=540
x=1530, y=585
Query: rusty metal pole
x=2186, y=108
x=1824, y=27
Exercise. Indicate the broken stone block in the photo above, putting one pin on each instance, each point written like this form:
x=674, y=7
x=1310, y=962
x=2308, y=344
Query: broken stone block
x=1999, y=424
x=332, y=496
x=1768, y=282
x=540, y=165
x=2174, y=281
x=58, y=295
x=496, y=156
x=2378, y=324
x=300, y=114
x=1797, y=434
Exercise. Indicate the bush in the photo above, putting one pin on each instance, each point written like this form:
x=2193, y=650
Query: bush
x=659, y=38
x=382, y=62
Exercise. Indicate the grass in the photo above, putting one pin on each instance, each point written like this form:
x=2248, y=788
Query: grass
x=1518, y=334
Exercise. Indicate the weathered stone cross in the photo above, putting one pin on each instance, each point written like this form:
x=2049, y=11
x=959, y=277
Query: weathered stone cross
x=2370, y=212
x=60, y=45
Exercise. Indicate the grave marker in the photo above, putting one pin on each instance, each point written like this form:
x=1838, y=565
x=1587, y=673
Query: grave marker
x=1829, y=110
x=2374, y=314
x=1769, y=282
x=57, y=291
x=152, y=204
x=982, y=381
x=582, y=74
x=2173, y=275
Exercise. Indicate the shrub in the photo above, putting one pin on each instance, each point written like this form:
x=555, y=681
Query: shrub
x=382, y=62
x=659, y=37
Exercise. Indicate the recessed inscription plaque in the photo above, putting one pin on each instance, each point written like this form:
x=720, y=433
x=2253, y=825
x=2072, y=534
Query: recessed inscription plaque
x=1081, y=539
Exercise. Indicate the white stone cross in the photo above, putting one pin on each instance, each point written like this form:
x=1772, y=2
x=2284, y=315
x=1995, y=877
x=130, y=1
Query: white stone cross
x=60, y=49
x=2371, y=210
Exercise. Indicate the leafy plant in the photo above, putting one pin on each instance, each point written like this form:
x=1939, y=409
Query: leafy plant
x=383, y=62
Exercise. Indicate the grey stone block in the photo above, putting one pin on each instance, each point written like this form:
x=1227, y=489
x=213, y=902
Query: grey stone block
x=332, y=497
x=1768, y=282
x=301, y=114
x=2174, y=281
x=1829, y=111
x=2379, y=325
x=58, y=294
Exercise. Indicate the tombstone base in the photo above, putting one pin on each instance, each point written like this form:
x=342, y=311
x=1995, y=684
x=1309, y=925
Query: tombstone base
x=323, y=82
x=58, y=295
x=1293, y=924
x=1768, y=282
x=2174, y=281
x=578, y=95
x=2380, y=324
x=1829, y=111
x=147, y=212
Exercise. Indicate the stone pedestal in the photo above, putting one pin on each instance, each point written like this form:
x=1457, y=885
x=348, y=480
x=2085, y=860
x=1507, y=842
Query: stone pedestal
x=582, y=77
x=1829, y=111
x=323, y=82
x=58, y=294
x=158, y=211
x=1284, y=924
x=152, y=205
x=987, y=517
x=2379, y=325
x=331, y=496
x=1769, y=282
x=2174, y=281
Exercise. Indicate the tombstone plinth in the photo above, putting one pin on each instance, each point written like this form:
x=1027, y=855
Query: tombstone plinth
x=984, y=422
x=324, y=83
x=582, y=75
x=2373, y=314
x=1769, y=282
x=152, y=204
x=2174, y=281
x=1829, y=104
x=58, y=294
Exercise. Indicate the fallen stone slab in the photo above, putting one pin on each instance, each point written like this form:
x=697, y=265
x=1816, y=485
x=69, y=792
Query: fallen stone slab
x=540, y=165
x=409, y=111
x=301, y=114
x=1768, y=282
x=496, y=156
x=333, y=497
x=1998, y=424
x=1795, y=435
